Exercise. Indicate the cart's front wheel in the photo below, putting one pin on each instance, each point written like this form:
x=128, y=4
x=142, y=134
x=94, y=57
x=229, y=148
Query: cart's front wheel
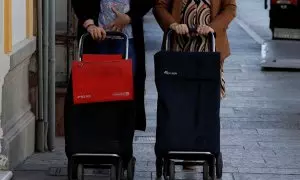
x=113, y=173
x=172, y=171
x=212, y=172
x=72, y=170
x=205, y=172
x=80, y=172
x=159, y=167
x=219, y=166
x=131, y=169
x=166, y=169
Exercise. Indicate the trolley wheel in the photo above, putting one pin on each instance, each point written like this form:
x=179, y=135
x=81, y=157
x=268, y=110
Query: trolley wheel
x=131, y=169
x=80, y=172
x=172, y=171
x=72, y=170
x=113, y=173
x=205, y=172
x=212, y=172
x=159, y=167
x=219, y=166
x=166, y=169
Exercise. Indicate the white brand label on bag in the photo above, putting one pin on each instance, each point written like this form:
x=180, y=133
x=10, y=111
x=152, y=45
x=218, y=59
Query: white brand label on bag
x=84, y=96
x=170, y=73
x=121, y=94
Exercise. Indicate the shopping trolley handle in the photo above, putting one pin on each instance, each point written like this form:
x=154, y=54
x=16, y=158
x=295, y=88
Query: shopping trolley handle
x=109, y=34
x=211, y=37
x=266, y=4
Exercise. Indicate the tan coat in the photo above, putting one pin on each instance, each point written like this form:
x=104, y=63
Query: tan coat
x=222, y=13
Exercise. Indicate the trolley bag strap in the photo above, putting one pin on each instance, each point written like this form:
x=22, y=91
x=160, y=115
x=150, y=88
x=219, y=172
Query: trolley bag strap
x=106, y=80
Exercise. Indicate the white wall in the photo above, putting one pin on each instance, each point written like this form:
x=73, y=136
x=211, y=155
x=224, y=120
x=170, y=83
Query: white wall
x=18, y=21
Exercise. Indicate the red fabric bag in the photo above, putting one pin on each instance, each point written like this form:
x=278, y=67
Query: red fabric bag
x=100, y=57
x=102, y=78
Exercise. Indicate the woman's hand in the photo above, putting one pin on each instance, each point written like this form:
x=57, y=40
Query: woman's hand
x=181, y=29
x=121, y=21
x=204, y=30
x=97, y=33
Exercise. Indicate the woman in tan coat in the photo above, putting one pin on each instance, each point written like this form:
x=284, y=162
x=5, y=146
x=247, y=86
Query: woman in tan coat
x=205, y=16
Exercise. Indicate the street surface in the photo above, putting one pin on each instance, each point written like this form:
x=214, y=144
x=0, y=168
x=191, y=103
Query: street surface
x=253, y=14
x=260, y=119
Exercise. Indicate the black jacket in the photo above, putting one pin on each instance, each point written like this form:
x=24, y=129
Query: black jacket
x=138, y=8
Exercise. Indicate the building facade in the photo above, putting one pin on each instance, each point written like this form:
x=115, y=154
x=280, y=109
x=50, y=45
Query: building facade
x=17, y=79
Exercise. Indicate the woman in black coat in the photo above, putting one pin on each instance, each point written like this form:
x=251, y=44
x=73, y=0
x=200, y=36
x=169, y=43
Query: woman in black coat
x=87, y=13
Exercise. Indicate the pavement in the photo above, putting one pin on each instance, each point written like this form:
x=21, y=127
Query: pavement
x=254, y=19
x=260, y=119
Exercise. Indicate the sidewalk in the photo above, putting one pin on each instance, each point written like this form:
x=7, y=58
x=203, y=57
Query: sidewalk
x=252, y=16
x=260, y=121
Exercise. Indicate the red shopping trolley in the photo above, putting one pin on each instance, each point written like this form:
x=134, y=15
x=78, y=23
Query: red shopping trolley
x=99, y=123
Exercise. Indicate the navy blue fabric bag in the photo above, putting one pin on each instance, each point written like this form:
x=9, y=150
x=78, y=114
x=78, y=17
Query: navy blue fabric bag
x=188, y=107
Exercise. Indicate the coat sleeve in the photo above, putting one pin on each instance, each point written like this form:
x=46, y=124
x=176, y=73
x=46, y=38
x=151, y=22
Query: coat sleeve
x=162, y=14
x=140, y=8
x=227, y=14
x=83, y=10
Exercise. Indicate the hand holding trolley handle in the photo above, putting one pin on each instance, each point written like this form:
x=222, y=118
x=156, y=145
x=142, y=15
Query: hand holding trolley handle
x=211, y=36
x=96, y=32
x=183, y=29
x=109, y=35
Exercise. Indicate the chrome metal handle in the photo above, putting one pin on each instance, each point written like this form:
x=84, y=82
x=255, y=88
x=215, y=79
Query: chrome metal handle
x=109, y=35
x=266, y=4
x=211, y=37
